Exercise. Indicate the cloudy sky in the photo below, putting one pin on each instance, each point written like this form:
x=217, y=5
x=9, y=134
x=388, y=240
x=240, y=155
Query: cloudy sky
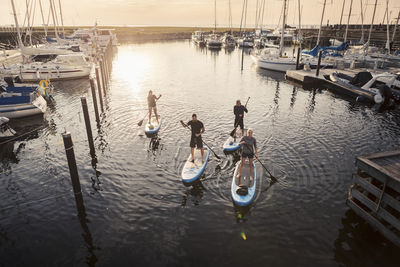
x=194, y=12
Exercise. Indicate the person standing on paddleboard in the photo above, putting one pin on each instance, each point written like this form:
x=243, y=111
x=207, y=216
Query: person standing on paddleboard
x=239, y=110
x=249, y=144
x=151, y=103
x=196, y=140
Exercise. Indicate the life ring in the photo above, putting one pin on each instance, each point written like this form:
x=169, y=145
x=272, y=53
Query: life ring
x=43, y=84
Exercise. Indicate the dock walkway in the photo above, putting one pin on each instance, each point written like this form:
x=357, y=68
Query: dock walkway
x=375, y=194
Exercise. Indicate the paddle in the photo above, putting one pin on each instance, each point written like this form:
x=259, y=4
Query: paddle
x=270, y=174
x=215, y=154
x=141, y=121
x=237, y=124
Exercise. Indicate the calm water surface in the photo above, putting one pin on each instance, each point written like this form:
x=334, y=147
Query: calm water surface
x=139, y=213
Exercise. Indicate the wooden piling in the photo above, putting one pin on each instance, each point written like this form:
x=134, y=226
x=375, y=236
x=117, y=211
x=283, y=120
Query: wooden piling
x=96, y=108
x=98, y=81
x=241, y=68
x=319, y=63
x=73, y=170
x=87, y=124
x=298, y=58
x=103, y=80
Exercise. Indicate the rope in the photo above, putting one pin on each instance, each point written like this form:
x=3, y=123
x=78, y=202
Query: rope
x=35, y=201
x=16, y=137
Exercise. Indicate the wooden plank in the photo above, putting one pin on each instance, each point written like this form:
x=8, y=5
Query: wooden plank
x=378, y=172
x=374, y=222
x=381, y=154
x=395, y=204
x=376, y=166
x=372, y=205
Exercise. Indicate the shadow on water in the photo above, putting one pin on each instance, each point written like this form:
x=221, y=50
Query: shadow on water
x=353, y=246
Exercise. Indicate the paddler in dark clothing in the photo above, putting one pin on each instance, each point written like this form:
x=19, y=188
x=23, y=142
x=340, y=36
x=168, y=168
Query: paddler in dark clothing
x=239, y=110
x=151, y=103
x=197, y=128
x=249, y=146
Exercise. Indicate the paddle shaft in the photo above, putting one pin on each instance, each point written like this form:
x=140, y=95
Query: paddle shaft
x=270, y=174
x=215, y=154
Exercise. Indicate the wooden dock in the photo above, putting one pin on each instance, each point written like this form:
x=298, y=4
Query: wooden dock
x=375, y=194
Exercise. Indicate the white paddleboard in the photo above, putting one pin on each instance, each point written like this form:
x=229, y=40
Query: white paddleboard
x=152, y=127
x=192, y=171
x=244, y=180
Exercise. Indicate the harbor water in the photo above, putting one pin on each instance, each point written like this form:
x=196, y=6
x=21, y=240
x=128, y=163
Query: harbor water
x=139, y=213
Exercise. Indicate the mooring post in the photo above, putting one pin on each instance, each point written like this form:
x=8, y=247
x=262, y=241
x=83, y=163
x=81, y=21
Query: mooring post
x=100, y=99
x=106, y=68
x=319, y=62
x=73, y=170
x=103, y=79
x=98, y=80
x=298, y=58
x=96, y=108
x=87, y=124
x=242, y=58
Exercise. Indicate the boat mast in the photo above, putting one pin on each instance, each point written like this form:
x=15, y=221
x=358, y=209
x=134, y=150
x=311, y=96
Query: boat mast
x=341, y=16
x=320, y=25
x=299, y=35
x=241, y=19
x=54, y=19
x=21, y=45
x=230, y=16
x=245, y=19
x=362, y=23
x=61, y=16
x=44, y=23
x=283, y=29
x=28, y=16
x=348, y=21
x=395, y=27
x=372, y=25
x=262, y=18
x=387, y=28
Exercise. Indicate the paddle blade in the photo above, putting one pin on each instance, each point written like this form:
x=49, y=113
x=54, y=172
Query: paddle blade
x=140, y=123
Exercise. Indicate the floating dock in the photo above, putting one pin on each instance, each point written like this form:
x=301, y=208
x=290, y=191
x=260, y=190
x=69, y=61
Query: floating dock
x=375, y=194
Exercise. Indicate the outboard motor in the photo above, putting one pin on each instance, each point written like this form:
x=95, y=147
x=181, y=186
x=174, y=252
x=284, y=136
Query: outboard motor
x=389, y=94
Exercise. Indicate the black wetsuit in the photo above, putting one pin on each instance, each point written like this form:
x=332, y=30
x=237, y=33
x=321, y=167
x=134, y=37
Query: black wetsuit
x=239, y=110
x=196, y=127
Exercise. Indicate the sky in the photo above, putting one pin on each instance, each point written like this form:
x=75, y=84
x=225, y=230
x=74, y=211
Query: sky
x=195, y=12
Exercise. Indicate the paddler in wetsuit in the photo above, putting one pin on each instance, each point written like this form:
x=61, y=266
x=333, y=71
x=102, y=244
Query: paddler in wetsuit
x=239, y=110
x=151, y=103
x=197, y=128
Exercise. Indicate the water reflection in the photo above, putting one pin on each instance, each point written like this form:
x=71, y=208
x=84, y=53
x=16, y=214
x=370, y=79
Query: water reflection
x=194, y=194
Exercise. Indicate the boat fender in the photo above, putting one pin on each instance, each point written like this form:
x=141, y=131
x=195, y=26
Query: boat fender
x=242, y=190
x=378, y=98
x=332, y=77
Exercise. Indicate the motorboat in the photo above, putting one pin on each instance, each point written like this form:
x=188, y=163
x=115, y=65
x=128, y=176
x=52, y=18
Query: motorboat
x=20, y=100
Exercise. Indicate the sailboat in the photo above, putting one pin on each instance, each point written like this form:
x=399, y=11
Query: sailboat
x=54, y=64
x=274, y=58
x=213, y=40
x=228, y=40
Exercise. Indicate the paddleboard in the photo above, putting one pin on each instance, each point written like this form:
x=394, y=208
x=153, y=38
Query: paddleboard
x=192, y=171
x=152, y=127
x=231, y=144
x=245, y=180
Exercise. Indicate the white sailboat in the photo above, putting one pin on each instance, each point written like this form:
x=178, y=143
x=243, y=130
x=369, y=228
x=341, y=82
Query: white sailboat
x=273, y=58
x=54, y=64
x=214, y=41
